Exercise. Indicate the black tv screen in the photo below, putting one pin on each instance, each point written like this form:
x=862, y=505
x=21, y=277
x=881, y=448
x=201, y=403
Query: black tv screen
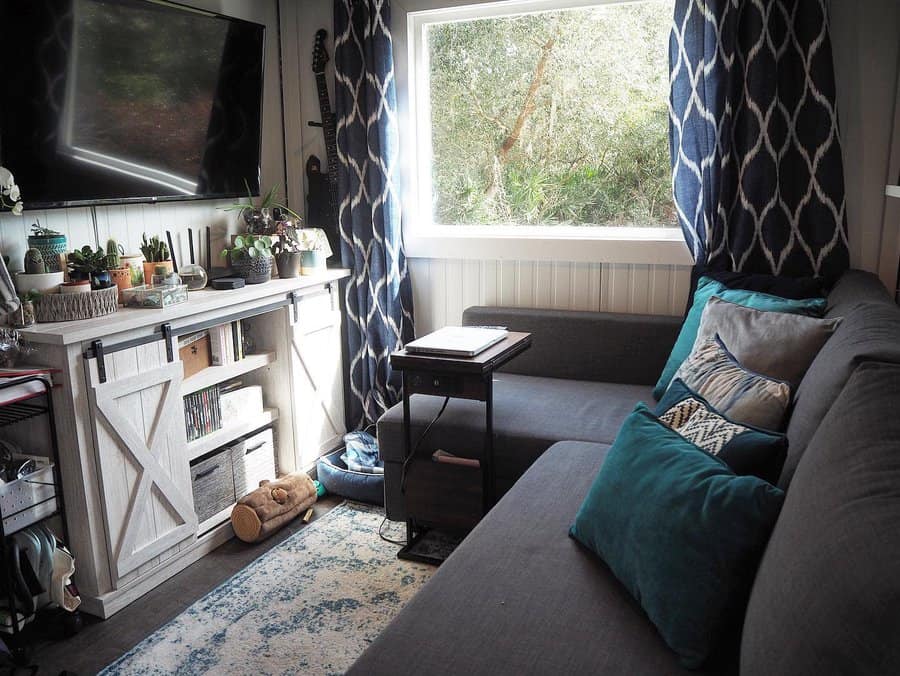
x=109, y=101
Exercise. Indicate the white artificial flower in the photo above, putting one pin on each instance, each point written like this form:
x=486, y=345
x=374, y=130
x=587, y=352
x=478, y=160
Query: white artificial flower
x=6, y=179
x=14, y=193
x=17, y=209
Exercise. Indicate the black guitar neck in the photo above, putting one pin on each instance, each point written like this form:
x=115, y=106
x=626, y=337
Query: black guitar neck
x=330, y=132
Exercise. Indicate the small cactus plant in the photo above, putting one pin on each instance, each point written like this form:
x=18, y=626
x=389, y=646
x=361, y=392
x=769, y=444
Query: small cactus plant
x=34, y=262
x=114, y=253
x=154, y=250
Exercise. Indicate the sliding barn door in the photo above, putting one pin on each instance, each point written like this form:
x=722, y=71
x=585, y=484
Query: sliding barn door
x=317, y=376
x=139, y=435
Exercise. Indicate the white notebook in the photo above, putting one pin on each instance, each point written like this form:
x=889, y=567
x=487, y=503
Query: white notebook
x=457, y=341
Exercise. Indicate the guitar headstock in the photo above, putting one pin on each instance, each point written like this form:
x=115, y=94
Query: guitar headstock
x=320, y=54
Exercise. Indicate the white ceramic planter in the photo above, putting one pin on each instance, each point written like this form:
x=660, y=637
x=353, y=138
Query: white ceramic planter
x=43, y=282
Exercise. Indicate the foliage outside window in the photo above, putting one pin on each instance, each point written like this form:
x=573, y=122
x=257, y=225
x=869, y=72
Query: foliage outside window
x=550, y=118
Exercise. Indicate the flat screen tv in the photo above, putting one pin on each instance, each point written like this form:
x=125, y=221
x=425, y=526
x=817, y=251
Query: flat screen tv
x=112, y=101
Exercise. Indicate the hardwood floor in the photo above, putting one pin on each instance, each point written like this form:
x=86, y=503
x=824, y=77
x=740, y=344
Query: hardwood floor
x=103, y=641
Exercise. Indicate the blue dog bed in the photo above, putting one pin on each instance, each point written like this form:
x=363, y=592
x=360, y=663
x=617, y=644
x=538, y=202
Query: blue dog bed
x=339, y=480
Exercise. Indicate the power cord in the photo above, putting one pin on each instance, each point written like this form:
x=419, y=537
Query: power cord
x=419, y=443
x=401, y=543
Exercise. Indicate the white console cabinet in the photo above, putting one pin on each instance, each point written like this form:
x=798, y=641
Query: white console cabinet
x=124, y=455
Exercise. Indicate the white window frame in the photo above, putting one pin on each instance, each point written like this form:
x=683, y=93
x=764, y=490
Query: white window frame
x=422, y=239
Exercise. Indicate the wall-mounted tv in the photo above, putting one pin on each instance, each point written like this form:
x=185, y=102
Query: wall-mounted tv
x=112, y=101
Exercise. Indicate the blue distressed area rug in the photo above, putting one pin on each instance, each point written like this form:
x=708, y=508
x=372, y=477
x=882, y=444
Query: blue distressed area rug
x=310, y=605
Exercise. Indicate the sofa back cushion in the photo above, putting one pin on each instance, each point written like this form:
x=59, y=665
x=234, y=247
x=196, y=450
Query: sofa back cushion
x=826, y=599
x=869, y=332
x=855, y=287
x=600, y=346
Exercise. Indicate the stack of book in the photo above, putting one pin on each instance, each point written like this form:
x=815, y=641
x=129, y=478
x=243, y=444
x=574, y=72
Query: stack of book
x=202, y=413
x=226, y=343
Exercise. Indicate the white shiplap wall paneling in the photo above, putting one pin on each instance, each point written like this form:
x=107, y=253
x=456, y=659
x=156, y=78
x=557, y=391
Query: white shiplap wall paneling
x=444, y=288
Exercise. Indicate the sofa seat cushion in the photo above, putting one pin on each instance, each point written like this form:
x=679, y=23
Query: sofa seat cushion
x=530, y=414
x=519, y=596
x=826, y=599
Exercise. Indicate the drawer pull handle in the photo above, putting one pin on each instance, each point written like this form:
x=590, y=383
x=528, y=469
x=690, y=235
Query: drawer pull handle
x=255, y=448
x=206, y=472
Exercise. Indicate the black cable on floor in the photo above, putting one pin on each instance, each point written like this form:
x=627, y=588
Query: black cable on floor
x=419, y=443
x=401, y=543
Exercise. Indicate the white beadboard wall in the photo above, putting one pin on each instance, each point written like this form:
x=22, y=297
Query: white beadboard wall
x=126, y=223
x=443, y=288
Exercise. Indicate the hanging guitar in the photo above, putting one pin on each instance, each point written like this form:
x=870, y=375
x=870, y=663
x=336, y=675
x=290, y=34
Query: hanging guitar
x=322, y=201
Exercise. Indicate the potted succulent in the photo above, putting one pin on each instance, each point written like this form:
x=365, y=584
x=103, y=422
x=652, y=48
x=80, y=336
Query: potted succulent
x=316, y=249
x=36, y=276
x=251, y=258
x=119, y=272
x=93, y=266
x=51, y=244
x=288, y=252
x=156, y=252
x=258, y=216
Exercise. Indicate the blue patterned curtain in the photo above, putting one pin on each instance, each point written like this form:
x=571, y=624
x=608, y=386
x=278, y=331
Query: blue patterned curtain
x=756, y=157
x=378, y=296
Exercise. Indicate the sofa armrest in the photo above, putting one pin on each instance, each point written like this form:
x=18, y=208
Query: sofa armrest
x=602, y=346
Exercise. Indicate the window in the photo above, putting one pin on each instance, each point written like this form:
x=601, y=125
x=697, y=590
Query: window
x=546, y=118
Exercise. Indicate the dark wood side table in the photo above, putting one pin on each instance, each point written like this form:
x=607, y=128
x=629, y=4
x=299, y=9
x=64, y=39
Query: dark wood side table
x=457, y=378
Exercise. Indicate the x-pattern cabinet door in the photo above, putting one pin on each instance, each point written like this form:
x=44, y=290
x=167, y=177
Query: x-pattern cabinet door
x=140, y=443
x=317, y=376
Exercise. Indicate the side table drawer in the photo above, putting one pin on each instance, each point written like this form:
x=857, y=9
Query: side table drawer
x=446, y=385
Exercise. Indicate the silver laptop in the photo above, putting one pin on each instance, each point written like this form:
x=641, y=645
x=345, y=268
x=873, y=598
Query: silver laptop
x=457, y=341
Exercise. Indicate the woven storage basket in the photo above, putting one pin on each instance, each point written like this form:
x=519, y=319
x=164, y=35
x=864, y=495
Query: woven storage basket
x=66, y=307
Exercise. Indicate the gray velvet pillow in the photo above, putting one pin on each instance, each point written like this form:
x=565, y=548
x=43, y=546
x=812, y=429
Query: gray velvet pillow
x=744, y=396
x=775, y=344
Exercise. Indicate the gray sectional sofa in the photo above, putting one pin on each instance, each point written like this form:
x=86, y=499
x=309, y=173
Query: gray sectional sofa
x=519, y=596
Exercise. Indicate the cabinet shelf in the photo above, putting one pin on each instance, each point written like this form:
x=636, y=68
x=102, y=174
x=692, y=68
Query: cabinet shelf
x=218, y=374
x=229, y=433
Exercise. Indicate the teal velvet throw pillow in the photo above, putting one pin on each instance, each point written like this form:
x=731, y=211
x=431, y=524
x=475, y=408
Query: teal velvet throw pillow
x=706, y=289
x=679, y=530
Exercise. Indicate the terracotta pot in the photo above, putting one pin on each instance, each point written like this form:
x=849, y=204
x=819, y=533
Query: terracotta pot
x=79, y=286
x=122, y=279
x=150, y=266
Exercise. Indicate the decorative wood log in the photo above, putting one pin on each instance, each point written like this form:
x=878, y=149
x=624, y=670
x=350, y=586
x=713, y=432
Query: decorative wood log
x=265, y=510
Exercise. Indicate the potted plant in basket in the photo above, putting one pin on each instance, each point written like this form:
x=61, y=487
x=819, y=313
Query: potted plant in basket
x=288, y=252
x=51, y=244
x=251, y=258
x=156, y=252
x=258, y=216
x=85, y=264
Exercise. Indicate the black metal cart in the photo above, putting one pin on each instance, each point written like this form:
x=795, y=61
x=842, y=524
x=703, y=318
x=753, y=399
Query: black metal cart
x=31, y=405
